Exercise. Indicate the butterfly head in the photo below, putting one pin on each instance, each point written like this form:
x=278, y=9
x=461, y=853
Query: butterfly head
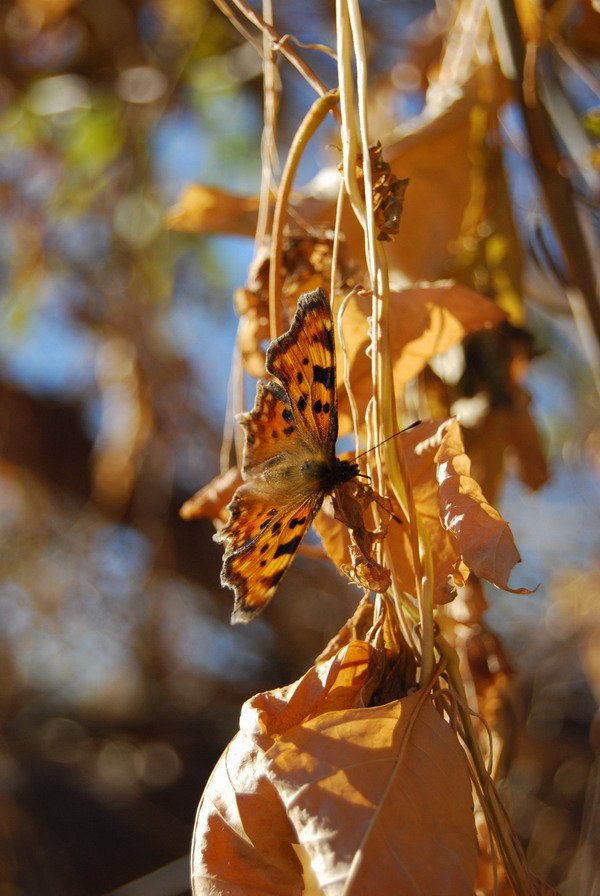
x=329, y=472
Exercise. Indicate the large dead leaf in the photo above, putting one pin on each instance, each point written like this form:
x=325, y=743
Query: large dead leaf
x=484, y=539
x=425, y=321
x=380, y=798
x=373, y=796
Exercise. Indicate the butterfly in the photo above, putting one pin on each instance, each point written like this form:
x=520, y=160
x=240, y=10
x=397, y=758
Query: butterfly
x=289, y=460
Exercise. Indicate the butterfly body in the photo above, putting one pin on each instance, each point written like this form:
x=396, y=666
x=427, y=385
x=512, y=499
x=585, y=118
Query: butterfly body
x=289, y=460
x=311, y=471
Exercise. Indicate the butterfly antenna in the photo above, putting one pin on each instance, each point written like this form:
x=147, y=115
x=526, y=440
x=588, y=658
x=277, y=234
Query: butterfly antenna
x=389, y=438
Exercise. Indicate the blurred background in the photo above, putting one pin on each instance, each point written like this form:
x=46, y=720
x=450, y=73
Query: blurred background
x=121, y=679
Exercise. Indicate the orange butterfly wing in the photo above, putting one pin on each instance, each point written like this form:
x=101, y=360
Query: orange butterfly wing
x=303, y=360
x=255, y=569
x=270, y=427
x=289, y=458
x=270, y=438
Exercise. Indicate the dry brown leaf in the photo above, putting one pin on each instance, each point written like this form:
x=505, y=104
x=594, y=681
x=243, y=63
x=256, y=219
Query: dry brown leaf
x=493, y=264
x=203, y=209
x=524, y=439
x=380, y=797
x=438, y=195
x=212, y=500
x=425, y=320
x=306, y=265
x=421, y=445
x=484, y=539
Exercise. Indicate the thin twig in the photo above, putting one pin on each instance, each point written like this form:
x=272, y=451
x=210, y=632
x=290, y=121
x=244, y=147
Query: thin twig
x=315, y=115
x=283, y=46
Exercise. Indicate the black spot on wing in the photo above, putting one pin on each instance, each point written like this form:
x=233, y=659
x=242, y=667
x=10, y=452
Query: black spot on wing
x=267, y=520
x=287, y=415
x=288, y=547
x=324, y=375
x=317, y=406
x=301, y=403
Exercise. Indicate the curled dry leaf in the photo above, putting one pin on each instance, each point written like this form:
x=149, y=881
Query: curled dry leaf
x=484, y=539
x=351, y=546
x=388, y=193
x=369, y=794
